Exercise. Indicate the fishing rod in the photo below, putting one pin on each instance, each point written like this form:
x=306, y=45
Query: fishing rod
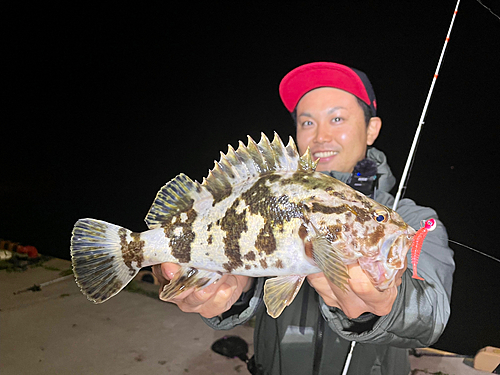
x=411, y=155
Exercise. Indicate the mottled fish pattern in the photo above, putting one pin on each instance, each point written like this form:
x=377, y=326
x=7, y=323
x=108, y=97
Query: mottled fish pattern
x=262, y=211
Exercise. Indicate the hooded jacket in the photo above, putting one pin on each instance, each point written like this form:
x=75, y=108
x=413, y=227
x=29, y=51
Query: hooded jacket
x=310, y=337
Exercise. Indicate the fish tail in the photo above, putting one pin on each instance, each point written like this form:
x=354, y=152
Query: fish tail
x=105, y=258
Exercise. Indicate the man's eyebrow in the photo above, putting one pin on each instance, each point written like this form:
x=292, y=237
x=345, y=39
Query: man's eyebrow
x=330, y=111
x=307, y=114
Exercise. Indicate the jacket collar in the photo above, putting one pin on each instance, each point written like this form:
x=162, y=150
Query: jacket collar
x=386, y=179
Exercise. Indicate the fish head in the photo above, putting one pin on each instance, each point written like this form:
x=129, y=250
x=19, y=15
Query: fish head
x=364, y=231
x=383, y=258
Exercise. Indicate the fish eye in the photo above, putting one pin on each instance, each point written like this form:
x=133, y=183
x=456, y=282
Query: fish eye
x=381, y=216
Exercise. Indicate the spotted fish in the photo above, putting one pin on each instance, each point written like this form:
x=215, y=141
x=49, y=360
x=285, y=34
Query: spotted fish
x=263, y=211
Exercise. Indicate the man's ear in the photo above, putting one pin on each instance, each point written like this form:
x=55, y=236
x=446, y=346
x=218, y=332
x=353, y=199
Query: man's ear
x=373, y=129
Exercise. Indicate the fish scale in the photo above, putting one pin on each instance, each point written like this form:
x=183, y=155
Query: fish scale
x=262, y=211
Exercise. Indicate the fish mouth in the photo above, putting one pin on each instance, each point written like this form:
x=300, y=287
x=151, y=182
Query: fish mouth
x=395, y=248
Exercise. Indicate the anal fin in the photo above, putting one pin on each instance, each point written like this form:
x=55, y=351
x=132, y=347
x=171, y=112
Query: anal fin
x=328, y=260
x=280, y=291
x=186, y=278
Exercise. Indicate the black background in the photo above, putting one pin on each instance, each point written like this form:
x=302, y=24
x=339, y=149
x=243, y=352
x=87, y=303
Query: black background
x=104, y=105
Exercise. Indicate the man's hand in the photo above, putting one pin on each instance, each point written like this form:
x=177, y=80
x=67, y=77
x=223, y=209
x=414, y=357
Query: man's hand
x=210, y=301
x=361, y=295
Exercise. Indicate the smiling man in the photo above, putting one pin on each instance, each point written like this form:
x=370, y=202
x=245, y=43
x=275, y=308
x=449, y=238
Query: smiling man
x=334, y=110
x=337, y=135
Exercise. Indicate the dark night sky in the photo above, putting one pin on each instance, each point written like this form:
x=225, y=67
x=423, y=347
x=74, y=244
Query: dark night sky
x=105, y=105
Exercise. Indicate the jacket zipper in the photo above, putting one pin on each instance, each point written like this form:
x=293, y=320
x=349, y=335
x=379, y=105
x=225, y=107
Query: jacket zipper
x=318, y=345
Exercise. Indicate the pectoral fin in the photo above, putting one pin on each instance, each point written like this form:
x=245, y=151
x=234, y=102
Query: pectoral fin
x=279, y=292
x=187, y=278
x=328, y=260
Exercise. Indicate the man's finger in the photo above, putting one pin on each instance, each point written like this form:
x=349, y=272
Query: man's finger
x=202, y=296
x=159, y=274
x=169, y=270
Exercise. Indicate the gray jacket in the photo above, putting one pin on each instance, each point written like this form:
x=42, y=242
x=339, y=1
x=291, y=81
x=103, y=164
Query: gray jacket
x=310, y=337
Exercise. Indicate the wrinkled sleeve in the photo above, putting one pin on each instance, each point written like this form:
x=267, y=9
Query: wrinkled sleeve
x=422, y=308
x=242, y=310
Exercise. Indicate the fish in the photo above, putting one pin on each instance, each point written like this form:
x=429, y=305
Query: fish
x=262, y=211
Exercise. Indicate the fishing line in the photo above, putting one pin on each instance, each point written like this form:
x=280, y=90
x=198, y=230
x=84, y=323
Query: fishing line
x=496, y=15
x=477, y=251
x=411, y=155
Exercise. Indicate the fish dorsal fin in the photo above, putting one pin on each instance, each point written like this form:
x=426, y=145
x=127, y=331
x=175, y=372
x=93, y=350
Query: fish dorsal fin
x=306, y=162
x=250, y=161
x=234, y=167
x=177, y=196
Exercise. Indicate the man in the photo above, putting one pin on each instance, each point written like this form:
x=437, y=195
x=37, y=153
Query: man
x=334, y=109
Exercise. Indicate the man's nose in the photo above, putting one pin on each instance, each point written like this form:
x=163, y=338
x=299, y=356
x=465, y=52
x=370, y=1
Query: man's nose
x=323, y=134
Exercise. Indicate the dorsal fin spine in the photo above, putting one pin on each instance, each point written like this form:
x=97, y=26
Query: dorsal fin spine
x=267, y=152
x=237, y=163
x=306, y=162
x=280, y=153
x=246, y=158
x=256, y=155
x=227, y=167
x=291, y=148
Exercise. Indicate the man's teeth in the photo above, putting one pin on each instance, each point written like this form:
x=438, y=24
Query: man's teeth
x=324, y=154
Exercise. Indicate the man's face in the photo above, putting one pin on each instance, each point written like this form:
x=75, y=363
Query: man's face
x=332, y=123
